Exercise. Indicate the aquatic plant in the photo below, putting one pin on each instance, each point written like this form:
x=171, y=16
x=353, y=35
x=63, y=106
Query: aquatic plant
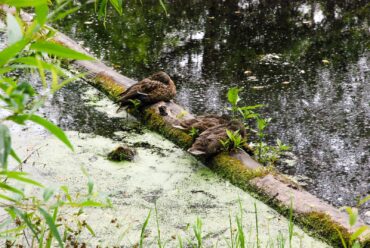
x=265, y=154
x=235, y=141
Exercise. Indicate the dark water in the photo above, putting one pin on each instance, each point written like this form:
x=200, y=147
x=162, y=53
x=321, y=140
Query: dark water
x=308, y=63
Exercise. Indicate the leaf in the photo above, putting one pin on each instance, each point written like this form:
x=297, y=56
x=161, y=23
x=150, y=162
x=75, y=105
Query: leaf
x=53, y=229
x=12, y=50
x=117, y=4
x=5, y=145
x=7, y=198
x=42, y=12
x=62, y=15
x=58, y=50
x=41, y=72
x=6, y=187
x=87, y=203
x=25, y=218
x=352, y=214
x=52, y=129
x=48, y=192
x=142, y=236
x=32, y=62
x=358, y=232
x=23, y=3
x=356, y=245
x=90, y=186
x=14, y=29
x=91, y=231
x=232, y=96
x=19, y=176
x=364, y=200
x=102, y=9
x=69, y=80
x=163, y=6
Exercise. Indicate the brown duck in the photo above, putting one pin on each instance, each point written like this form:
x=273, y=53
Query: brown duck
x=208, y=143
x=156, y=88
x=202, y=122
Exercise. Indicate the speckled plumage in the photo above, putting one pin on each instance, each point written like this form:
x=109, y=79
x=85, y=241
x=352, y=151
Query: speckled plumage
x=203, y=122
x=156, y=88
x=208, y=143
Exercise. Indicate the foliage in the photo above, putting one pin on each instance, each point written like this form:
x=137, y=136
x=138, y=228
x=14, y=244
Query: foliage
x=264, y=153
x=135, y=104
x=235, y=141
x=194, y=132
x=352, y=219
x=31, y=49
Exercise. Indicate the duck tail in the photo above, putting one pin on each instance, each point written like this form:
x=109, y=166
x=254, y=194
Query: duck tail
x=179, y=127
x=195, y=152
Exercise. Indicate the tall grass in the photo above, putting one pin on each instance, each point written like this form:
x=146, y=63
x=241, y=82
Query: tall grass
x=237, y=237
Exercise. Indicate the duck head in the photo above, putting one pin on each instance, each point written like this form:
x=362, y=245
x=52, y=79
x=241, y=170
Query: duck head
x=161, y=77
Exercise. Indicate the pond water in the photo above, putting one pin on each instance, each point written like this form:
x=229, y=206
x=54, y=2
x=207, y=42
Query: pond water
x=307, y=61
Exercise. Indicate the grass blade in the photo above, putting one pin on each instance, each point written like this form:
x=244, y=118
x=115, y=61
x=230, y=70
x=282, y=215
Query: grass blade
x=53, y=229
x=142, y=234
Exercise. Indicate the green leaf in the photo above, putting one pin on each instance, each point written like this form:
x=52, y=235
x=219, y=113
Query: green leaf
x=364, y=200
x=32, y=62
x=358, y=232
x=87, y=203
x=69, y=80
x=52, y=129
x=353, y=215
x=163, y=6
x=356, y=245
x=62, y=15
x=14, y=29
x=42, y=12
x=142, y=236
x=90, y=186
x=91, y=231
x=5, y=197
x=117, y=4
x=5, y=145
x=53, y=229
x=20, y=176
x=12, y=50
x=25, y=218
x=6, y=187
x=58, y=50
x=23, y=3
x=233, y=96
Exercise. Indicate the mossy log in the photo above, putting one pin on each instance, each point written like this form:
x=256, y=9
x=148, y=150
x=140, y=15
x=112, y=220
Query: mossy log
x=265, y=183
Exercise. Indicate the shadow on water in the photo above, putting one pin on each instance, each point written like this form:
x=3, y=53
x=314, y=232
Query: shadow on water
x=308, y=62
x=73, y=110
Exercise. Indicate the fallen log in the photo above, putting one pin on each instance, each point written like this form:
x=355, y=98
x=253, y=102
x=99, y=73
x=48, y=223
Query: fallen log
x=272, y=187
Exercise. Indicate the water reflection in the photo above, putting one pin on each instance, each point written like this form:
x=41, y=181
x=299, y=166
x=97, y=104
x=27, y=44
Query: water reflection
x=322, y=110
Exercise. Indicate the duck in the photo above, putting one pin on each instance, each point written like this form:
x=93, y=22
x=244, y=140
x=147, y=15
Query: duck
x=202, y=122
x=158, y=87
x=208, y=143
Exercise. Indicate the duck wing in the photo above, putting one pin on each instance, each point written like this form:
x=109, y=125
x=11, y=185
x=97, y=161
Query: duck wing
x=140, y=91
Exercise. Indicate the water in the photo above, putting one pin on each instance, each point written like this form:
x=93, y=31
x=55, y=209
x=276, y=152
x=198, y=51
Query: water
x=308, y=62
